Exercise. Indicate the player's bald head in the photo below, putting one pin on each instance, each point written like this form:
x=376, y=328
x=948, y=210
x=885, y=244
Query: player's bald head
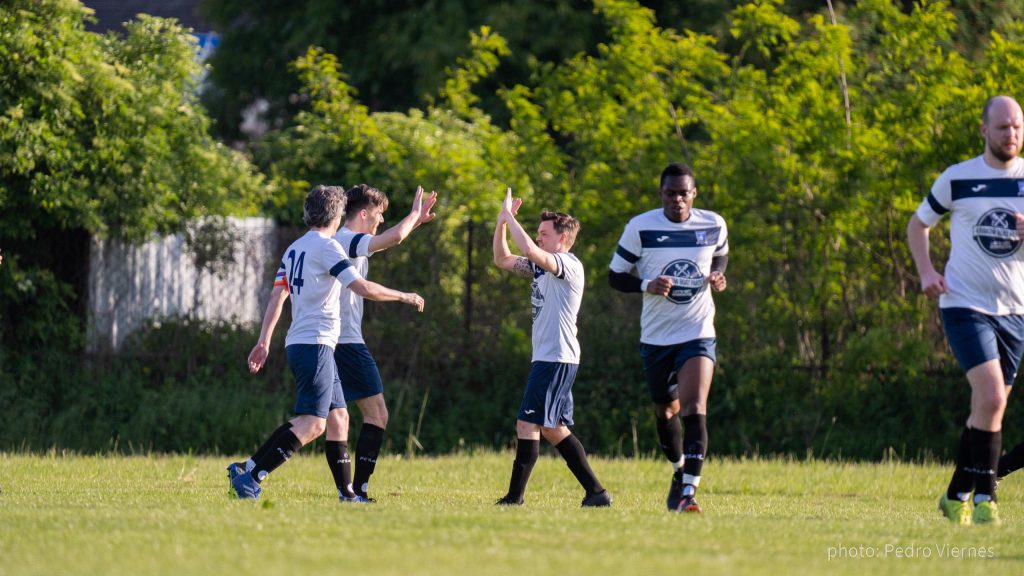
x=999, y=106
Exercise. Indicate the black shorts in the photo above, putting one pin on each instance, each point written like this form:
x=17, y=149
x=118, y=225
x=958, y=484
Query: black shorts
x=662, y=364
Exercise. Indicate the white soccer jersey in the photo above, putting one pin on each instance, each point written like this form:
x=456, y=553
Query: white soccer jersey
x=357, y=246
x=985, y=271
x=314, y=270
x=556, y=302
x=657, y=246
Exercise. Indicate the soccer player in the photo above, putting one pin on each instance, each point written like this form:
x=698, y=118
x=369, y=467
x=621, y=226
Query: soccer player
x=981, y=295
x=312, y=273
x=547, y=406
x=678, y=253
x=360, y=378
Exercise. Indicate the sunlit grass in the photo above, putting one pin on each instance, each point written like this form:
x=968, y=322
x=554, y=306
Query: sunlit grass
x=171, y=514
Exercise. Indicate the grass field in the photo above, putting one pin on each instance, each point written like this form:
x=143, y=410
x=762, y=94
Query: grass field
x=171, y=515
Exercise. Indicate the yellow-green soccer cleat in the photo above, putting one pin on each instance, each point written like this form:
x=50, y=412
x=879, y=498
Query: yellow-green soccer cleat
x=958, y=512
x=986, y=513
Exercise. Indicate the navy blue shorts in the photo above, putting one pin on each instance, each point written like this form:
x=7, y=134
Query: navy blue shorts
x=662, y=364
x=317, y=387
x=358, y=371
x=548, y=397
x=976, y=338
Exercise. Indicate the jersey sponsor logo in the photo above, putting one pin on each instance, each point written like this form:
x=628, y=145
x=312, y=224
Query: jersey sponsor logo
x=687, y=281
x=680, y=238
x=996, y=233
x=1020, y=187
x=528, y=411
x=978, y=188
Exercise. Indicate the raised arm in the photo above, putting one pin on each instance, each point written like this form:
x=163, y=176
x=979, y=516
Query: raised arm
x=259, y=353
x=526, y=245
x=503, y=257
x=420, y=214
x=373, y=291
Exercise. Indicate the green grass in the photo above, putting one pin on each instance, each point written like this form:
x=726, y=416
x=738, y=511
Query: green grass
x=171, y=515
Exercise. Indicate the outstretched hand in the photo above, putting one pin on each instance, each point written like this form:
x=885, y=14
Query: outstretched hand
x=422, y=206
x=414, y=300
x=510, y=206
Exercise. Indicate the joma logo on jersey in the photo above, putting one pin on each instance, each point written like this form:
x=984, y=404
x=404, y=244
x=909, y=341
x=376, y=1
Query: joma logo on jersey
x=996, y=233
x=687, y=281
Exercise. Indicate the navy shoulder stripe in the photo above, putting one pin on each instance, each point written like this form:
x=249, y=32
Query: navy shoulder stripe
x=354, y=245
x=938, y=208
x=680, y=238
x=340, y=267
x=626, y=255
x=987, y=188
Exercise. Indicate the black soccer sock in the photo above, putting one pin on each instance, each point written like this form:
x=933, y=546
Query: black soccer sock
x=695, y=442
x=367, y=448
x=279, y=452
x=670, y=437
x=985, y=448
x=526, y=456
x=1011, y=461
x=262, y=450
x=576, y=457
x=341, y=466
x=962, y=481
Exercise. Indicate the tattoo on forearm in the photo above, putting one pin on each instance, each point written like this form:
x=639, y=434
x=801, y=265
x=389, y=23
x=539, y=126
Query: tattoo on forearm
x=522, y=267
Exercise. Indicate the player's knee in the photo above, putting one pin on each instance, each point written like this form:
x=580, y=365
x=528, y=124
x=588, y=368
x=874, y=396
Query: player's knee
x=993, y=404
x=664, y=412
x=309, y=430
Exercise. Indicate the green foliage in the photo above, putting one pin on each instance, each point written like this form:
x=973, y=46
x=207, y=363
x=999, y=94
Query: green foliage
x=815, y=140
x=103, y=133
x=816, y=178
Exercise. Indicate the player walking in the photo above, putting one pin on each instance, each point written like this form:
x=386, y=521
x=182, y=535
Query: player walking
x=312, y=273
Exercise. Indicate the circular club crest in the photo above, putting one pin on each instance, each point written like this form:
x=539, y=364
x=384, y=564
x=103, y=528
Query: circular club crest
x=996, y=233
x=687, y=281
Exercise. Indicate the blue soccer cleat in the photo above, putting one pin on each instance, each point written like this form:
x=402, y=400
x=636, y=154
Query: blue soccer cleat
x=246, y=487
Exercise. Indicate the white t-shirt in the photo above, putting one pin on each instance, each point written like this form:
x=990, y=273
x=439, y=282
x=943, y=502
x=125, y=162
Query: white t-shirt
x=985, y=271
x=357, y=246
x=556, y=302
x=314, y=269
x=657, y=246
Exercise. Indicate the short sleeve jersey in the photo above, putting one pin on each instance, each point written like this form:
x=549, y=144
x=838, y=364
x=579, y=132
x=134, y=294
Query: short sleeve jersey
x=556, y=301
x=314, y=270
x=656, y=246
x=357, y=247
x=985, y=271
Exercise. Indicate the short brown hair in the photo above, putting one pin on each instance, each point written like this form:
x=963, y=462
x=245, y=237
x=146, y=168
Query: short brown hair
x=363, y=195
x=563, y=224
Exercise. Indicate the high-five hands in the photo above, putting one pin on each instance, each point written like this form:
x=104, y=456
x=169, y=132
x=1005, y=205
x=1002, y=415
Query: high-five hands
x=510, y=206
x=422, y=206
